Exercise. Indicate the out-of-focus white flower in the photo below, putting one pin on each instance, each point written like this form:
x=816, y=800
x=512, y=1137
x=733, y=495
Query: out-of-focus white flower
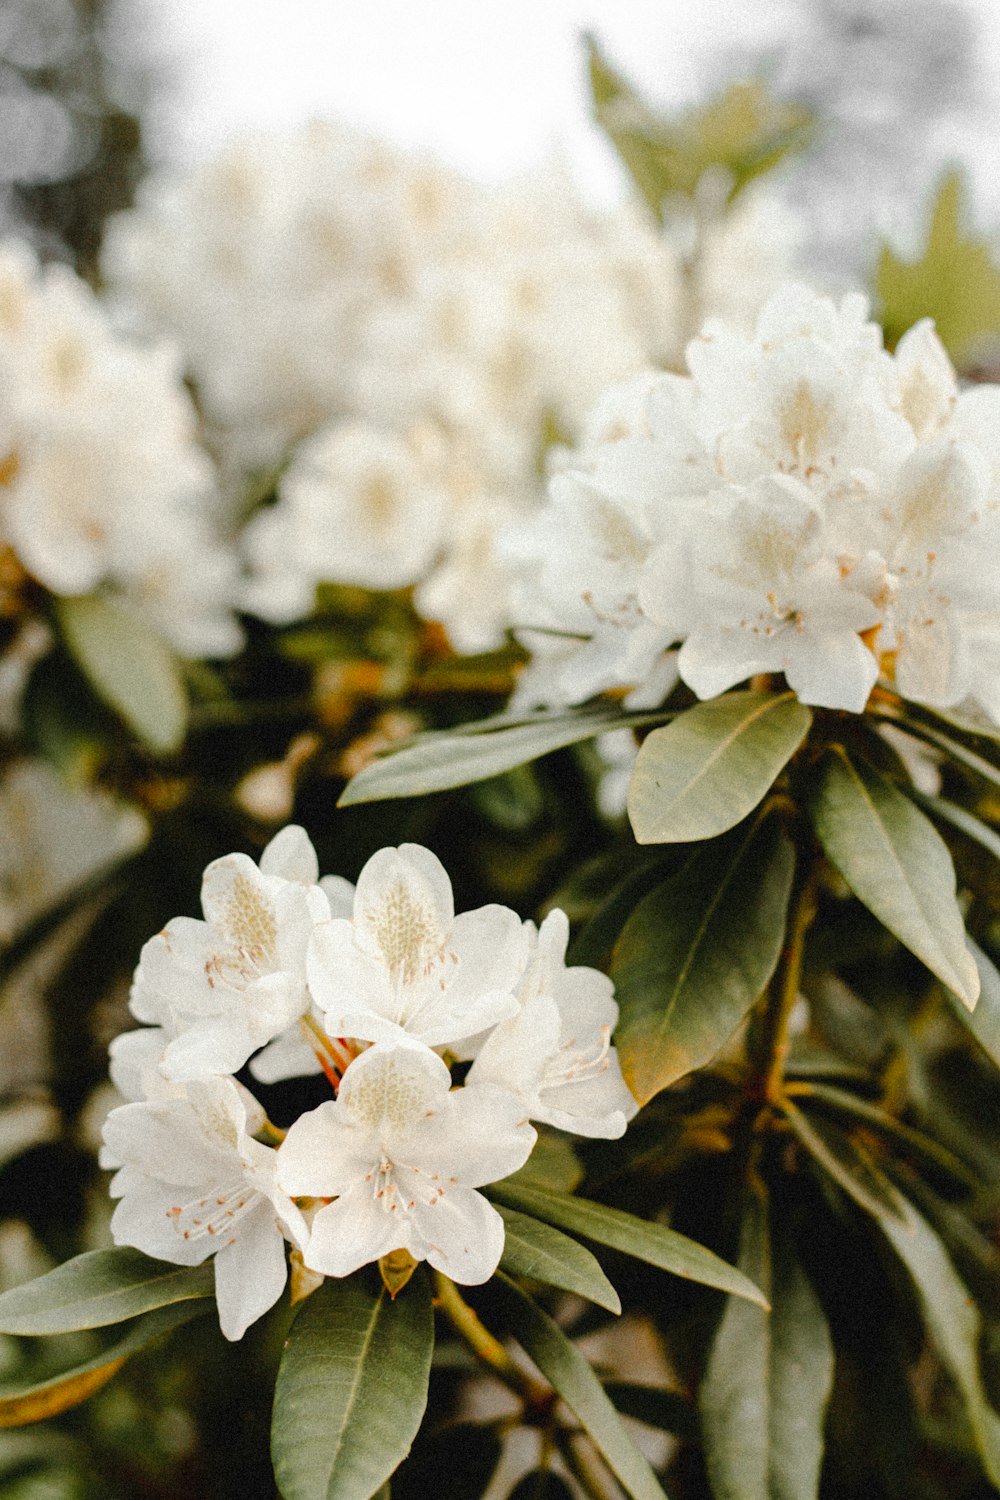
x=556, y=1052
x=356, y=506
x=802, y=503
x=193, y=1182
x=101, y=481
x=405, y=967
x=224, y=987
x=323, y=284
x=402, y=1154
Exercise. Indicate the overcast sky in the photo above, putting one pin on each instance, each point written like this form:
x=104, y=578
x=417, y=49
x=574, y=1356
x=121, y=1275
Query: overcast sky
x=490, y=85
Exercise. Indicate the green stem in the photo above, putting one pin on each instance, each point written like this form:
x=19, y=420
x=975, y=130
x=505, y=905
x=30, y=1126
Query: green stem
x=585, y=1468
x=773, y=1042
x=466, y=1322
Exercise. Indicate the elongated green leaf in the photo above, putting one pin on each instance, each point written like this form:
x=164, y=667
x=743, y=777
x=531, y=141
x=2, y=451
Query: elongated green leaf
x=764, y=1397
x=846, y=1104
x=565, y=1368
x=842, y=1160
x=534, y=1249
x=592, y=945
x=954, y=280
x=552, y=1164
x=743, y=131
x=952, y=1320
x=129, y=666
x=897, y=864
x=438, y=762
x=100, y=1287
x=960, y=818
x=696, y=954
x=704, y=772
x=652, y=1243
x=984, y=1021
x=33, y=1401
x=351, y=1390
x=951, y=747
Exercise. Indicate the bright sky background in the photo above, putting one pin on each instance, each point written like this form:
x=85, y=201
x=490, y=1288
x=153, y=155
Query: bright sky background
x=490, y=85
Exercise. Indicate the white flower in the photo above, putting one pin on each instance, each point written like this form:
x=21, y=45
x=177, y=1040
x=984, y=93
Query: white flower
x=755, y=590
x=802, y=503
x=193, y=1182
x=102, y=483
x=223, y=987
x=402, y=1154
x=556, y=1053
x=356, y=506
x=406, y=967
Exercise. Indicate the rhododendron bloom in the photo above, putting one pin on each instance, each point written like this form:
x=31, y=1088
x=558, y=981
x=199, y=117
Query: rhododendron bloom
x=556, y=1052
x=401, y=1154
x=193, y=1183
x=405, y=967
x=804, y=502
x=223, y=987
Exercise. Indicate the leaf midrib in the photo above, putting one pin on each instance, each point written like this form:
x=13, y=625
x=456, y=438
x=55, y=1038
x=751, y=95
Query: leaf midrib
x=348, y=1406
x=722, y=746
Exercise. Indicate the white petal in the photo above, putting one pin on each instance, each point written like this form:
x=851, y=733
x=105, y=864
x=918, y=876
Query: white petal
x=323, y=1154
x=352, y=1232
x=250, y=1272
x=476, y=1135
x=461, y=1234
x=403, y=909
x=291, y=856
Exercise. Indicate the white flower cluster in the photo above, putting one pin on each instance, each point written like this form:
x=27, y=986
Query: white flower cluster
x=378, y=988
x=426, y=334
x=802, y=502
x=101, y=483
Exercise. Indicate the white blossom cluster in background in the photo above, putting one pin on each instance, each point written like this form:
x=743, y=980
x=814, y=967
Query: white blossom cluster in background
x=102, y=484
x=380, y=988
x=801, y=502
x=423, y=337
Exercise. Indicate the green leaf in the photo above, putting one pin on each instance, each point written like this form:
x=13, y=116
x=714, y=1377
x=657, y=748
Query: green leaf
x=552, y=1164
x=63, y=721
x=984, y=1021
x=565, y=1368
x=702, y=774
x=745, y=131
x=952, y=748
x=594, y=942
x=536, y=1250
x=456, y=757
x=954, y=280
x=842, y=1160
x=764, y=1396
x=697, y=953
x=936, y=1158
x=129, y=666
x=952, y=1320
x=100, y=1287
x=652, y=1243
x=897, y=864
x=961, y=819
x=33, y=1401
x=351, y=1389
